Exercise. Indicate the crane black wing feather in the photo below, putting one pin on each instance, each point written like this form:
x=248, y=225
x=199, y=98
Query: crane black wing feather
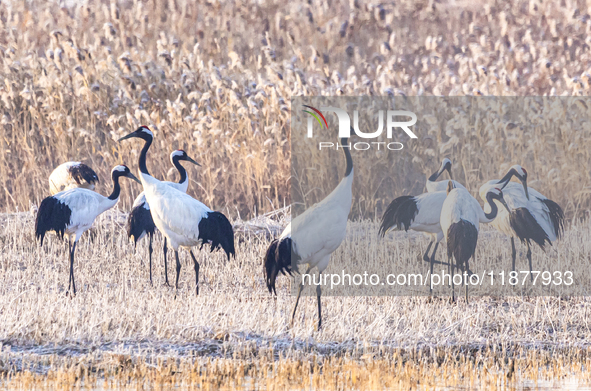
x=280, y=257
x=53, y=215
x=139, y=222
x=400, y=213
x=527, y=228
x=556, y=216
x=82, y=173
x=462, y=238
x=216, y=229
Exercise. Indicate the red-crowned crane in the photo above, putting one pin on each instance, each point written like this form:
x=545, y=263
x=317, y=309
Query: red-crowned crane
x=183, y=220
x=461, y=216
x=140, y=223
x=433, y=185
x=71, y=212
x=532, y=216
x=312, y=236
x=420, y=213
x=71, y=175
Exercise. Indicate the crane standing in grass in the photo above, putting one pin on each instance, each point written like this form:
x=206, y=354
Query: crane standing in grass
x=312, y=236
x=72, y=212
x=71, y=175
x=421, y=213
x=140, y=222
x=532, y=216
x=183, y=220
x=461, y=216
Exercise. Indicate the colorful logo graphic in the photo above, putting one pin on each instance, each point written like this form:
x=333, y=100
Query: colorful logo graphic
x=315, y=113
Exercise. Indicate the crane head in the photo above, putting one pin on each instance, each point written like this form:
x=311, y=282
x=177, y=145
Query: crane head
x=446, y=166
x=521, y=174
x=142, y=132
x=497, y=194
x=122, y=170
x=179, y=154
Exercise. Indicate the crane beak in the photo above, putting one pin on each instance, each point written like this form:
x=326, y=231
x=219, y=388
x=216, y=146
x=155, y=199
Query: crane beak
x=130, y=135
x=440, y=171
x=505, y=204
x=506, y=179
x=192, y=161
x=131, y=176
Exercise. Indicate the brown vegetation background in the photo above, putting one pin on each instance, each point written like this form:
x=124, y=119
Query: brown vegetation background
x=215, y=78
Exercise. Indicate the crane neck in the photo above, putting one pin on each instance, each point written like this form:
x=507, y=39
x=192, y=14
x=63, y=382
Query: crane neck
x=177, y=164
x=116, y=188
x=346, y=148
x=493, y=208
x=143, y=153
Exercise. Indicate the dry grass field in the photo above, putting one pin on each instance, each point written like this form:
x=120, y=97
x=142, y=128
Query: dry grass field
x=216, y=79
x=119, y=332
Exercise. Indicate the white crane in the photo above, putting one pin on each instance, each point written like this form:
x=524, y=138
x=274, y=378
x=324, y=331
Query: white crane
x=183, y=220
x=71, y=175
x=421, y=213
x=312, y=236
x=140, y=223
x=532, y=216
x=433, y=185
x=461, y=216
x=71, y=212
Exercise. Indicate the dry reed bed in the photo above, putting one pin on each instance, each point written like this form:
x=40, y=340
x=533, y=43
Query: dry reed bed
x=216, y=79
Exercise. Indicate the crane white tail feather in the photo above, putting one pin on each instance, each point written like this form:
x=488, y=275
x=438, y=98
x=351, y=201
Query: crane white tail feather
x=53, y=215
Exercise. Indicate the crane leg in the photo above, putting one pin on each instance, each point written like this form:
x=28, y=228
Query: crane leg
x=298, y=298
x=150, y=256
x=70, y=274
x=434, y=251
x=426, y=255
x=513, y=254
x=529, y=260
x=72, y=269
x=318, y=293
x=178, y=269
x=452, y=266
x=431, y=265
x=464, y=268
x=196, y=272
x=165, y=251
x=440, y=263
